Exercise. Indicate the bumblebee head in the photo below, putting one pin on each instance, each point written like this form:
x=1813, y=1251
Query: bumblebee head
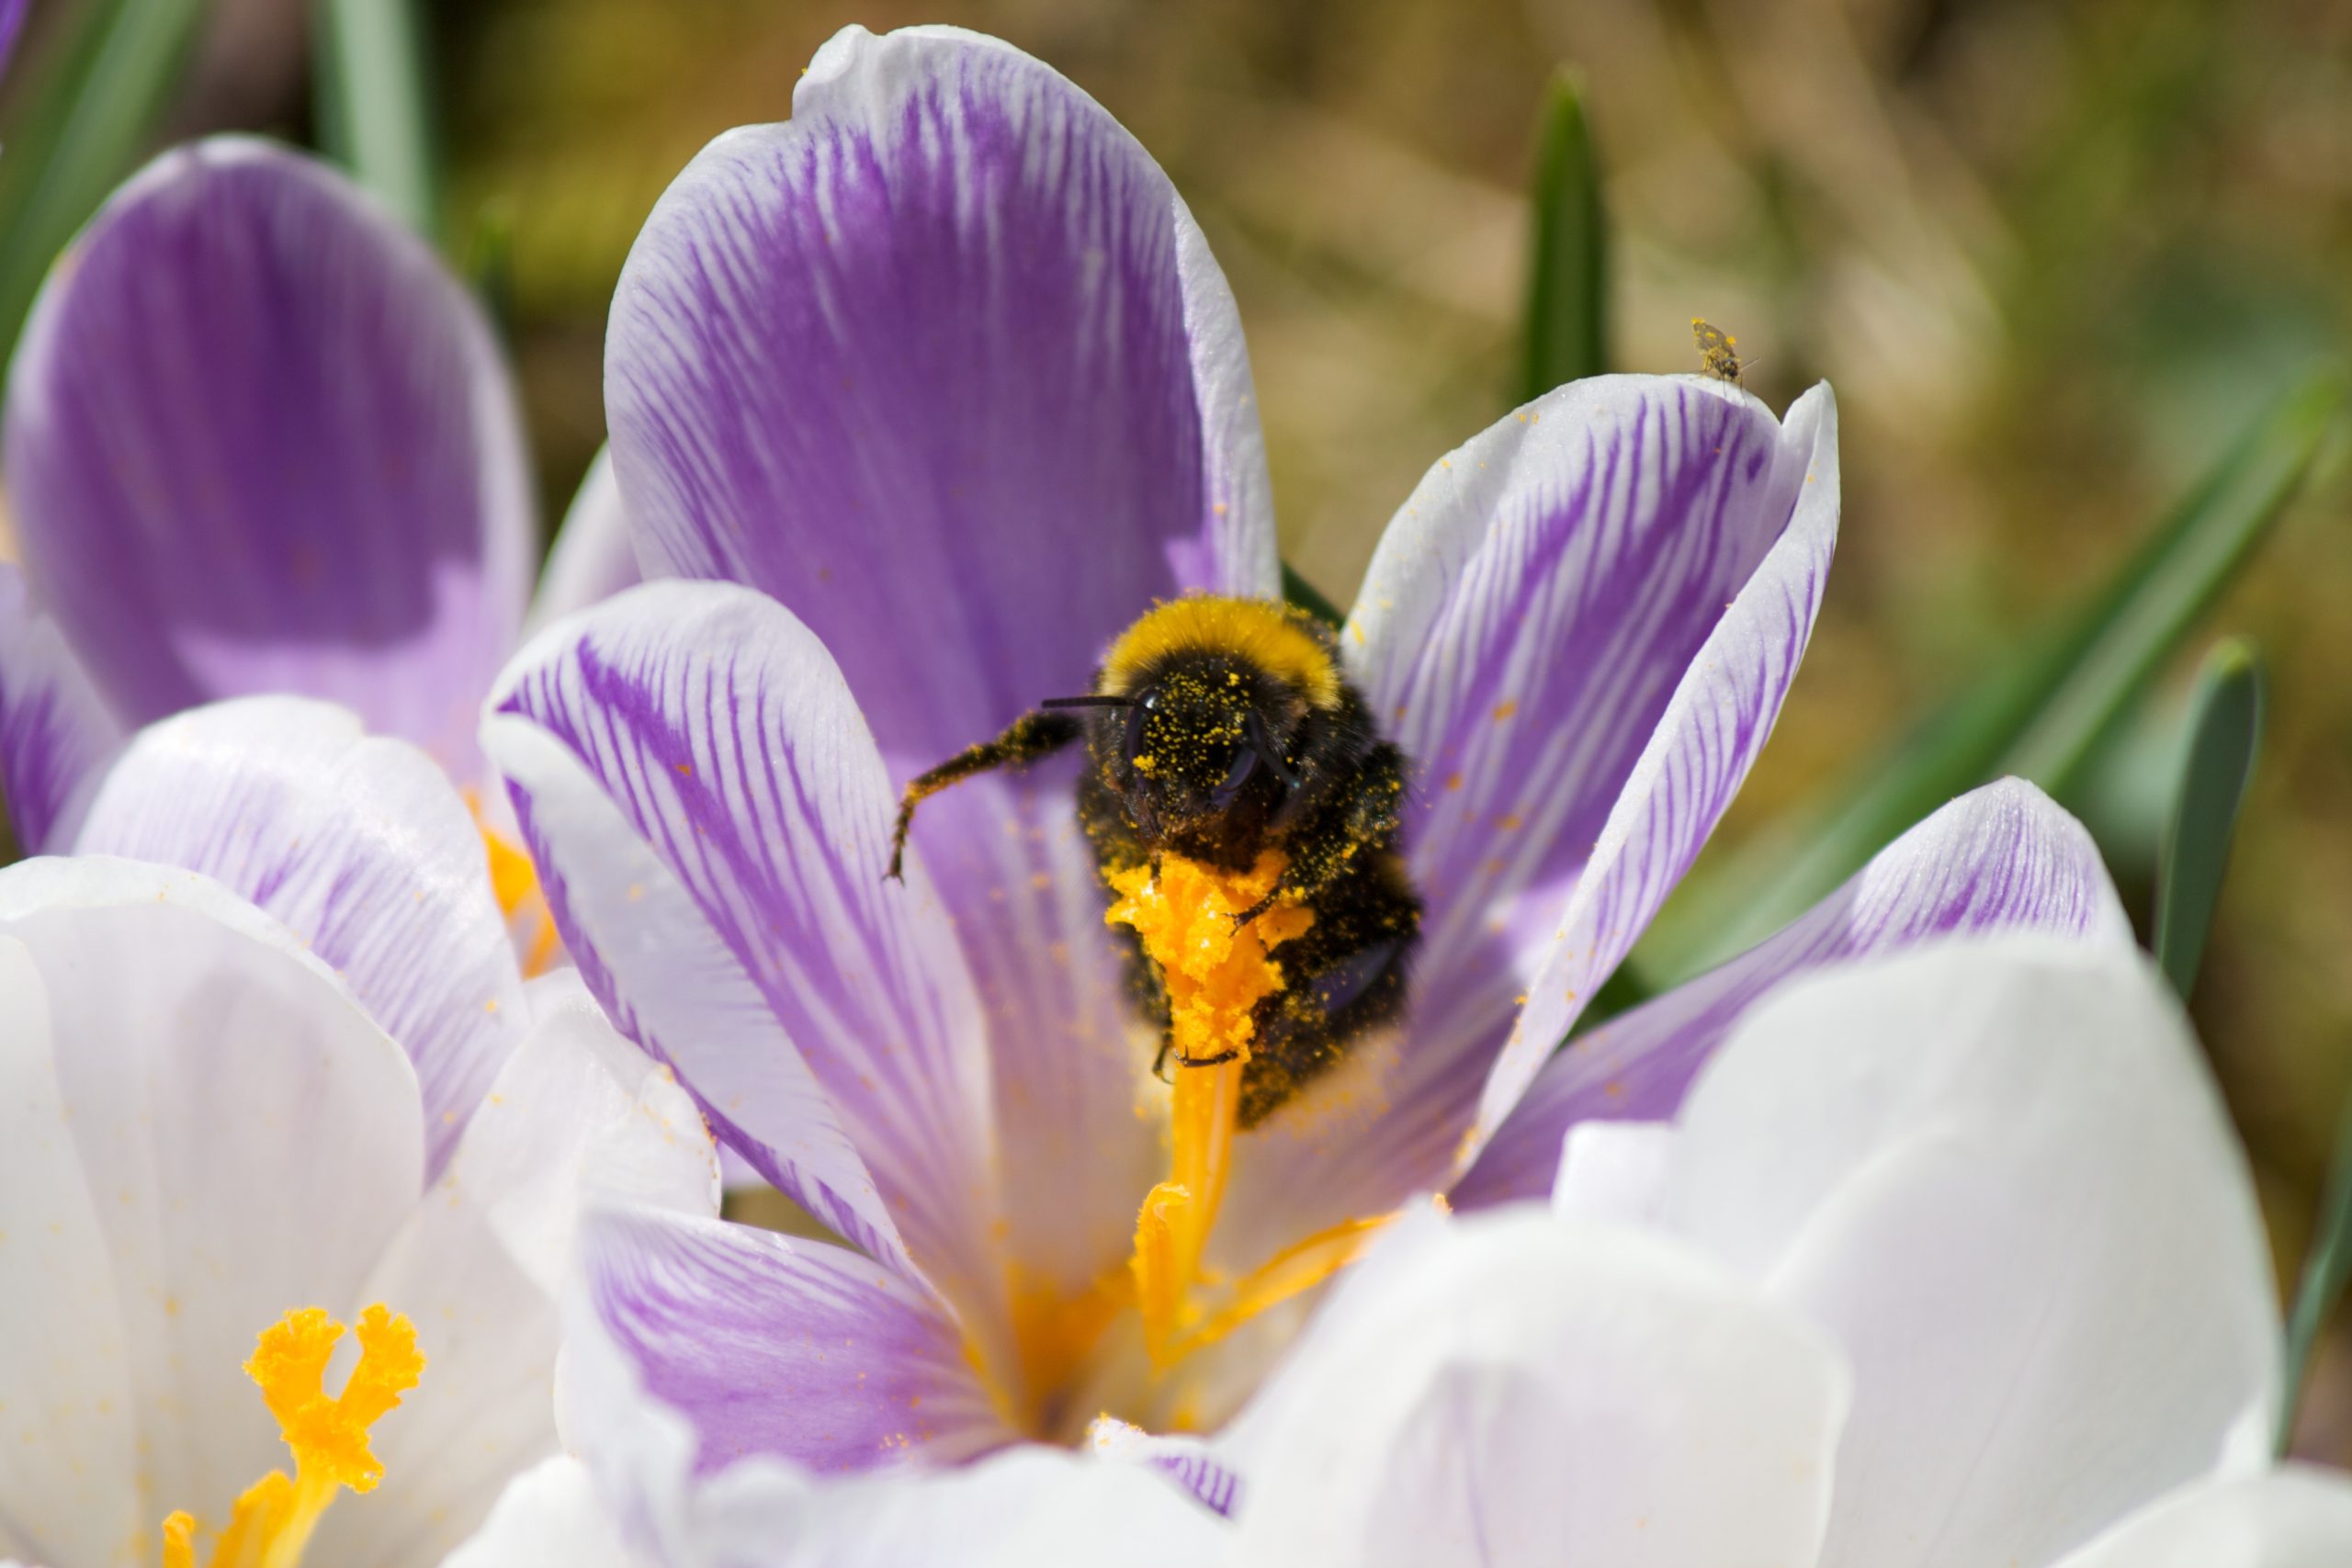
x=1197, y=746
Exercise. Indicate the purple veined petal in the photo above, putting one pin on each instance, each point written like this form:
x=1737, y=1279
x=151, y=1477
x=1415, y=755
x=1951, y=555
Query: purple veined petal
x=1996, y=1174
x=770, y=1345
x=593, y=557
x=1717, y=721
x=1579, y=628
x=1191, y=1462
x=57, y=732
x=712, y=824
x=362, y=847
x=259, y=440
x=944, y=364
x=1999, y=858
x=249, y=1141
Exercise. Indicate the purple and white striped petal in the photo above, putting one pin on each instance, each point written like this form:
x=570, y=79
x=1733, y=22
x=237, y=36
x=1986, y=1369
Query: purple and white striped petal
x=56, y=731
x=712, y=824
x=1579, y=629
x=943, y=364
x=791, y=1349
x=1191, y=1462
x=1709, y=736
x=259, y=440
x=362, y=847
x=593, y=557
x=1999, y=858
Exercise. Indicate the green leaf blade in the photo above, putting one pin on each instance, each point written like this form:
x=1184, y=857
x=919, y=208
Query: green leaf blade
x=83, y=135
x=2223, y=734
x=375, y=114
x=2326, y=1268
x=1567, y=321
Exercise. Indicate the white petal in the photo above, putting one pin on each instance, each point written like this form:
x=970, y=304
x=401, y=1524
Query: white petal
x=2289, y=1519
x=1615, y=1171
x=68, y=1492
x=1522, y=1391
x=547, y=1518
x=1998, y=1176
x=249, y=1138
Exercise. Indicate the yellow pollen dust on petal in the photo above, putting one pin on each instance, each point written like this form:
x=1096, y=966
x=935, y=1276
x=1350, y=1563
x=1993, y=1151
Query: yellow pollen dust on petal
x=274, y=1518
x=514, y=882
x=1215, y=972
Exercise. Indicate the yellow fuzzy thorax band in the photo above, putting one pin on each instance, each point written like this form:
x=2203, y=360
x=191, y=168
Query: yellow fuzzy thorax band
x=1259, y=632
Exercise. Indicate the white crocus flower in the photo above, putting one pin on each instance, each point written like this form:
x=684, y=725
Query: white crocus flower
x=205, y=1131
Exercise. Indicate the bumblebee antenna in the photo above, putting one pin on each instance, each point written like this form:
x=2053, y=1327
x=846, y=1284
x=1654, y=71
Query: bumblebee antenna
x=1088, y=703
x=1267, y=752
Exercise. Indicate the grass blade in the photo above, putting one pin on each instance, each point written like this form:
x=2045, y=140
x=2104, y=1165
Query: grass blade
x=2326, y=1267
x=2040, y=716
x=2224, y=733
x=1568, y=276
x=85, y=130
x=375, y=114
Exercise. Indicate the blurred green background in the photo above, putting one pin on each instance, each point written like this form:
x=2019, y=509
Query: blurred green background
x=2052, y=257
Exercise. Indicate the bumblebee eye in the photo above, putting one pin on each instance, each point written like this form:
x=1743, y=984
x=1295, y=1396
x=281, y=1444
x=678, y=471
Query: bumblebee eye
x=1245, y=762
x=1131, y=746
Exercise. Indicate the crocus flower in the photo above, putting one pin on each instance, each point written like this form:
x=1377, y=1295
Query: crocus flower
x=211, y=1134
x=937, y=388
x=259, y=440
x=1948, y=1258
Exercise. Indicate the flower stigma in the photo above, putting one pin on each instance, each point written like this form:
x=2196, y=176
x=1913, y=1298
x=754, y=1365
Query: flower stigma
x=273, y=1519
x=1215, y=972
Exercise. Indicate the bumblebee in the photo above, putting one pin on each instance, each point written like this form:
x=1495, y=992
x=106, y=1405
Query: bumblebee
x=1219, y=730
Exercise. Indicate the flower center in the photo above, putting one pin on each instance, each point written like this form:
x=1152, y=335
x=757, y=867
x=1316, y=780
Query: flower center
x=274, y=1518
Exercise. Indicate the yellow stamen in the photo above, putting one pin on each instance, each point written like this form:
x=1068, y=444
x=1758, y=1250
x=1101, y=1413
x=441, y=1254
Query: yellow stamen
x=514, y=882
x=1292, y=1271
x=275, y=1516
x=1215, y=973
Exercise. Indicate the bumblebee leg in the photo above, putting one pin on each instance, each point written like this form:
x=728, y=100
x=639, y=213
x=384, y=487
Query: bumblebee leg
x=1033, y=736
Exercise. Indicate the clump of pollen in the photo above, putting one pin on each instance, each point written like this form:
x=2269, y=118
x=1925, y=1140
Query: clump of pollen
x=1216, y=970
x=274, y=1518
